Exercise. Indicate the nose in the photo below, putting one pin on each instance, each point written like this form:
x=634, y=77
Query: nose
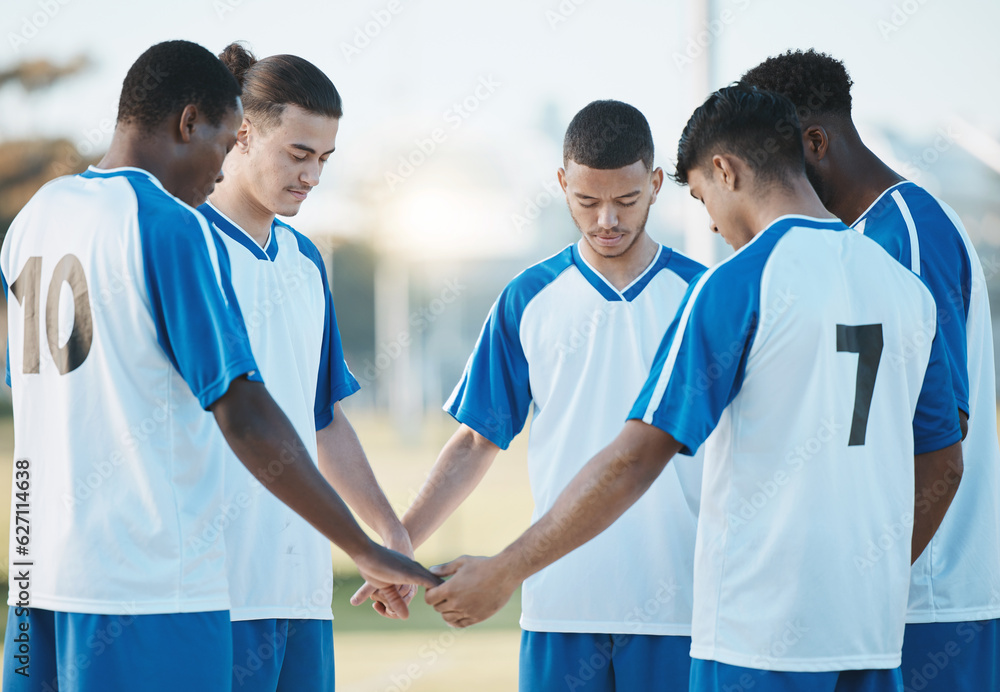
x=713, y=227
x=310, y=175
x=607, y=217
x=218, y=178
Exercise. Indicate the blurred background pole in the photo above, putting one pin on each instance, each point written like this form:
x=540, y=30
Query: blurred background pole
x=699, y=243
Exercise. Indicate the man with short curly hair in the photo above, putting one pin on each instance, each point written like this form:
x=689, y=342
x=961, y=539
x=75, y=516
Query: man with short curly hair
x=953, y=633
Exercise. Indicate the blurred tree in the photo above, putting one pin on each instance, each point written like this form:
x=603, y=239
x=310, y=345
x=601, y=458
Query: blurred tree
x=26, y=165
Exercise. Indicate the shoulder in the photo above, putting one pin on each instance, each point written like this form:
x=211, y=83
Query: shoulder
x=162, y=215
x=300, y=243
x=524, y=287
x=682, y=265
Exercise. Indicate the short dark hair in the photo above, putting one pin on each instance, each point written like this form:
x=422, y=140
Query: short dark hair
x=270, y=84
x=816, y=83
x=608, y=135
x=760, y=127
x=171, y=75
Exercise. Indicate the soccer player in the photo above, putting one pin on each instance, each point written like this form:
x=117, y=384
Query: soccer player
x=123, y=331
x=280, y=568
x=807, y=364
x=952, y=640
x=573, y=338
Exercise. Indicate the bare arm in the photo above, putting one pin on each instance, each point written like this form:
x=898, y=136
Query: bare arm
x=608, y=485
x=937, y=475
x=460, y=467
x=266, y=443
x=463, y=462
x=343, y=462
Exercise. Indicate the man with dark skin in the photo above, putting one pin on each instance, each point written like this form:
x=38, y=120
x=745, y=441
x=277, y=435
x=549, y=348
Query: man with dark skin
x=954, y=586
x=117, y=467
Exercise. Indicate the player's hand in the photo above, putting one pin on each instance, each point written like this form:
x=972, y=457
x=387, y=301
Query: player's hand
x=384, y=568
x=478, y=588
x=400, y=542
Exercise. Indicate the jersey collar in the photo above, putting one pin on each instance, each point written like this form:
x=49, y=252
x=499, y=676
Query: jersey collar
x=606, y=288
x=229, y=227
x=880, y=199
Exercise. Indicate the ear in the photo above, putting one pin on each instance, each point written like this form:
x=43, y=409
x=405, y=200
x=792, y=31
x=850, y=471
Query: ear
x=724, y=171
x=243, y=136
x=561, y=175
x=657, y=183
x=188, y=122
x=815, y=141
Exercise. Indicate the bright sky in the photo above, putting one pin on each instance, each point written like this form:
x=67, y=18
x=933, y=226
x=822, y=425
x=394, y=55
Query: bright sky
x=401, y=65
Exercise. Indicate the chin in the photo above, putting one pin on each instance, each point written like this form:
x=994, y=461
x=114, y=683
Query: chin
x=288, y=210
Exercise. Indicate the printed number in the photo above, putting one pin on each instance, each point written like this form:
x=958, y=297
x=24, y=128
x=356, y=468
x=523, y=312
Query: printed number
x=27, y=289
x=866, y=341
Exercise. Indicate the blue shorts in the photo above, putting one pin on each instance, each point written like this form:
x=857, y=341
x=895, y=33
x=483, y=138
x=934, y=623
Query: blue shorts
x=712, y=676
x=278, y=655
x=952, y=656
x=46, y=650
x=603, y=662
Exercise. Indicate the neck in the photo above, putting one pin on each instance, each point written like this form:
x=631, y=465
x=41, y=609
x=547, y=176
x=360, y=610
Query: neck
x=131, y=149
x=857, y=187
x=242, y=208
x=798, y=198
x=622, y=270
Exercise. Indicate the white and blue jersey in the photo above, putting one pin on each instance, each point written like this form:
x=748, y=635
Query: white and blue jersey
x=958, y=577
x=122, y=330
x=279, y=565
x=808, y=365
x=563, y=341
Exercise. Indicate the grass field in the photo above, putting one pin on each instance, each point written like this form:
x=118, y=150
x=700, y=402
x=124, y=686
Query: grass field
x=422, y=654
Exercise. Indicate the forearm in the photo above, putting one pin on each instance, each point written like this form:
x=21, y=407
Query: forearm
x=267, y=444
x=343, y=462
x=460, y=466
x=608, y=485
x=937, y=476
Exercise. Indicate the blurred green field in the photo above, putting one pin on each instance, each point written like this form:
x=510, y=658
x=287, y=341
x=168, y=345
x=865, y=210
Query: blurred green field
x=422, y=654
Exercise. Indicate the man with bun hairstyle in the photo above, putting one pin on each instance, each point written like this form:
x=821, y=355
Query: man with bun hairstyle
x=952, y=641
x=280, y=568
x=572, y=339
x=123, y=331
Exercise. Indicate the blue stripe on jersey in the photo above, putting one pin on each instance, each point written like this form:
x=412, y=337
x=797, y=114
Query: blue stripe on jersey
x=335, y=381
x=699, y=367
x=935, y=422
x=6, y=295
x=494, y=396
x=667, y=258
x=197, y=317
x=237, y=234
x=592, y=277
x=906, y=213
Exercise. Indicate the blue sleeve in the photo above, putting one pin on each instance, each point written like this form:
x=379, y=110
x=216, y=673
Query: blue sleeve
x=701, y=361
x=197, y=317
x=945, y=268
x=494, y=395
x=335, y=380
x=935, y=422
